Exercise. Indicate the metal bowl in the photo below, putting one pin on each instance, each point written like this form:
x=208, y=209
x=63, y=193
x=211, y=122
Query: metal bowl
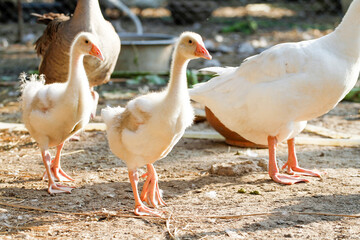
x=149, y=52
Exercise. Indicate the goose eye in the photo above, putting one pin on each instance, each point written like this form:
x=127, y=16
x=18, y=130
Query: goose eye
x=86, y=41
x=190, y=41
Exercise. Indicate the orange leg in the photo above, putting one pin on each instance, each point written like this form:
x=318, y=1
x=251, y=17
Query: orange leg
x=55, y=168
x=140, y=208
x=53, y=187
x=273, y=169
x=151, y=191
x=292, y=163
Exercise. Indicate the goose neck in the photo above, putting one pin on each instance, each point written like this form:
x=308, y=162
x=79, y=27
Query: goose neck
x=347, y=34
x=77, y=74
x=86, y=10
x=178, y=81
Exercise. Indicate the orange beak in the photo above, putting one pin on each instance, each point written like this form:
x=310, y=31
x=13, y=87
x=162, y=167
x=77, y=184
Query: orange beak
x=201, y=51
x=95, y=51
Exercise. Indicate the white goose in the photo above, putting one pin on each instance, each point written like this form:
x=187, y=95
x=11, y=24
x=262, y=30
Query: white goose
x=150, y=125
x=53, y=113
x=270, y=97
x=54, y=45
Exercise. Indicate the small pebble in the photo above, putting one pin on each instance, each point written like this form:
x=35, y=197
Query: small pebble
x=211, y=194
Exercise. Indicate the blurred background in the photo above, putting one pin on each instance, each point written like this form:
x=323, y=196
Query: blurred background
x=232, y=30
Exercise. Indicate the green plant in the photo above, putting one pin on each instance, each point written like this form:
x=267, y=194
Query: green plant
x=192, y=77
x=353, y=95
x=247, y=26
x=146, y=79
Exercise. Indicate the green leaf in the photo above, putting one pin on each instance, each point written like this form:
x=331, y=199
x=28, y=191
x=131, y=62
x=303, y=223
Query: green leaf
x=247, y=26
x=192, y=77
x=353, y=95
x=155, y=80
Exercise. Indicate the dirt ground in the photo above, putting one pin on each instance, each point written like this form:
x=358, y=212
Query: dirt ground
x=101, y=205
x=191, y=192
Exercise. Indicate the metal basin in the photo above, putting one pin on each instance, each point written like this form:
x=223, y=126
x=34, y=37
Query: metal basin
x=145, y=52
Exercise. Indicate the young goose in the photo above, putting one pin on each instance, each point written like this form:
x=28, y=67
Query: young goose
x=150, y=125
x=54, y=45
x=53, y=113
x=270, y=97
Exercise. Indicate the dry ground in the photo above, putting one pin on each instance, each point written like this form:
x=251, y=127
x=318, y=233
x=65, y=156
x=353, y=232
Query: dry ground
x=191, y=192
x=101, y=205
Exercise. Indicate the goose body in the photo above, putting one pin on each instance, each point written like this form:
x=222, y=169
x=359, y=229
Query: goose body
x=150, y=125
x=270, y=97
x=146, y=116
x=52, y=113
x=54, y=45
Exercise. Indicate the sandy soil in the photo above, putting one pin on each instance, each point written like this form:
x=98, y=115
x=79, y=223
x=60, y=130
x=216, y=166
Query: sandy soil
x=101, y=205
x=191, y=192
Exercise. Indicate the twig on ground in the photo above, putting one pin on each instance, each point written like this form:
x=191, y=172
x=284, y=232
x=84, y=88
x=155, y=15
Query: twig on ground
x=70, y=153
x=42, y=209
x=73, y=152
x=12, y=198
x=179, y=217
x=168, y=228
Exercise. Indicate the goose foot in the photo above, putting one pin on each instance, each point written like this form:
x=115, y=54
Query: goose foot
x=295, y=170
x=273, y=169
x=286, y=179
x=293, y=166
x=142, y=210
x=151, y=192
x=58, y=174
x=55, y=168
x=57, y=188
x=53, y=187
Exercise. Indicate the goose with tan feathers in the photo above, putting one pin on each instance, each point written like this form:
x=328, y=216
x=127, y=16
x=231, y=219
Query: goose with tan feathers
x=54, y=45
x=150, y=125
x=53, y=113
x=270, y=97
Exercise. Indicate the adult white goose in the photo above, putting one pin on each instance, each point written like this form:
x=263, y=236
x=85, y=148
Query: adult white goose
x=150, y=125
x=270, y=97
x=53, y=113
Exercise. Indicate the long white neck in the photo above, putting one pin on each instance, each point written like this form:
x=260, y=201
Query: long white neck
x=347, y=34
x=87, y=10
x=177, y=86
x=77, y=79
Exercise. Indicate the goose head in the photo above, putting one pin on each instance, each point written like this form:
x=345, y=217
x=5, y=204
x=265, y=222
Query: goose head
x=191, y=46
x=87, y=44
